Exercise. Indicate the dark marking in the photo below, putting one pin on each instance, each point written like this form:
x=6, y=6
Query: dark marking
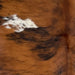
x=34, y=35
x=44, y=49
x=46, y=45
x=1, y=6
x=46, y=56
x=1, y=17
x=41, y=30
x=1, y=20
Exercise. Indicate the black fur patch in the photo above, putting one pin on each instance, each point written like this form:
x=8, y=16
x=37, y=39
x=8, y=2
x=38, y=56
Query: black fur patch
x=1, y=6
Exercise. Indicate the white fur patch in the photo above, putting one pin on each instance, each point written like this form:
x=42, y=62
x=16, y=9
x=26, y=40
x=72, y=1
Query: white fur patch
x=18, y=24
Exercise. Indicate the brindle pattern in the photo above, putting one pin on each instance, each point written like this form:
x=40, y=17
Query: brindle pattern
x=1, y=6
x=43, y=39
x=47, y=39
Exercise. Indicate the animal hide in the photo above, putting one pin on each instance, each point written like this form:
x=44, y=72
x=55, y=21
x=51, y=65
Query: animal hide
x=41, y=41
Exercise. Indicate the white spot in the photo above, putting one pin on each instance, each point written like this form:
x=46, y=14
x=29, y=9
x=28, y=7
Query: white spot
x=18, y=24
x=5, y=18
x=8, y=27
